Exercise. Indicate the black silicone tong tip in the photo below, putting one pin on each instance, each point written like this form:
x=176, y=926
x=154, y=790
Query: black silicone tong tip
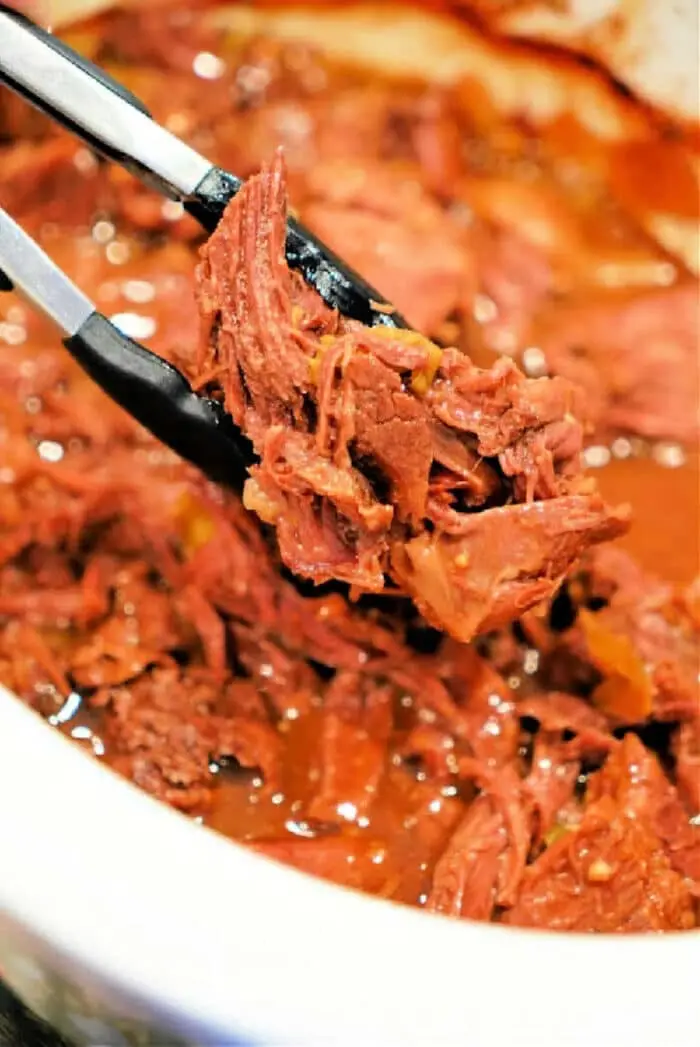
x=339, y=286
x=159, y=396
x=154, y=392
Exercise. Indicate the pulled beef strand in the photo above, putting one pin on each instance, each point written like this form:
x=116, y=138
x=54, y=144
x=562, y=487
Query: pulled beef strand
x=344, y=421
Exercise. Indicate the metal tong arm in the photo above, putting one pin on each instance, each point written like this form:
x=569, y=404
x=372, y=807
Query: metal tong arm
x=108, y=117
x=154, y=392
x=82, y=97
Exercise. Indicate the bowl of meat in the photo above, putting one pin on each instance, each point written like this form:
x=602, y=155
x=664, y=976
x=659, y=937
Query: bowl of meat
x=408, y=729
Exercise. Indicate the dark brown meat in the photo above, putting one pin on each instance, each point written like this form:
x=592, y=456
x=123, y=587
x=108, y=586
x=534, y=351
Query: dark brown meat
x=342, y=418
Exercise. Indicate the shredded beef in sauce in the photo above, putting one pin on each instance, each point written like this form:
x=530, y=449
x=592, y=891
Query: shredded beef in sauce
x=545, y=774
x=382, y=454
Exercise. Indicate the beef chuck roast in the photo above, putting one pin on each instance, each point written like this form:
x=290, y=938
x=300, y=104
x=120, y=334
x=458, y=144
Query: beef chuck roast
x=383, y=455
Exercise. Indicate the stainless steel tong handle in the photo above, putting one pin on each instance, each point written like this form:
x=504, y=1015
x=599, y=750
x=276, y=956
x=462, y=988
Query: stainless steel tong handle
x=57, y=80
x=82, y=97
x=47, y=287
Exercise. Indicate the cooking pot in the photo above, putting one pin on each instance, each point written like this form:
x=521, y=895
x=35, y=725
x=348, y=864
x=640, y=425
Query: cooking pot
x=122, y=922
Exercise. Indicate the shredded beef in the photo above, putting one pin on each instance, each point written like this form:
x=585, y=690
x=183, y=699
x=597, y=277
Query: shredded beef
x=634, y=642
x=167, y=729
x=627, y=355
x=687, y=753
x=546, y=774
x=343, y=420
x=466, y=875
x=392, y=231
x=613, y=871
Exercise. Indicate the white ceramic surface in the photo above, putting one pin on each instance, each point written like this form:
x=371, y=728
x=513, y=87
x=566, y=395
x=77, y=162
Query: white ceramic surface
x=115, y=909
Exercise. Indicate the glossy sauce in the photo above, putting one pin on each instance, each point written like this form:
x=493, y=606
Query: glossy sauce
x=665, y=534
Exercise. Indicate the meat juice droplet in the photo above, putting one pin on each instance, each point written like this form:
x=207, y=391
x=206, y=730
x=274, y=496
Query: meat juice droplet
x=118, y=252
x=139, y=291
x=208, y=67
x=68, y=710
x=103, y=232
x=12, y=334
x=135, y=325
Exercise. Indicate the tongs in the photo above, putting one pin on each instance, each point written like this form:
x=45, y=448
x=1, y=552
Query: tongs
x=116, y=125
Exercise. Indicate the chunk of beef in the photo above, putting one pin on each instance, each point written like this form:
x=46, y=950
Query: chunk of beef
x=167, y=727
x=486, y=718
x=629, y=357
x=614, y=871
x=634, y=779
x=492, y=570
x=343, y=420
x=638, y=640
x=354, y=734
x=484, y=860
x=549, y=787
x=562, y=714
x=465, y=878
x=610, y=874
x=467, y=717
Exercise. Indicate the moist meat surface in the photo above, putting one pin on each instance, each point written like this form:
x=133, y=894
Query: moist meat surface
x=382, y=454
x=543, y=775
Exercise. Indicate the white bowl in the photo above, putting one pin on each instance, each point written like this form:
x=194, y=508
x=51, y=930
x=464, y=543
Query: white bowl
x=123, y=922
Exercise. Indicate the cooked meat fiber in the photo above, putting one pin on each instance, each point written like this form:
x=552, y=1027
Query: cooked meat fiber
x=382, y=455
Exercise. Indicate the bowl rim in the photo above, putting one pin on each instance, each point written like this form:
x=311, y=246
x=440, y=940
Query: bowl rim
x=292, y=959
